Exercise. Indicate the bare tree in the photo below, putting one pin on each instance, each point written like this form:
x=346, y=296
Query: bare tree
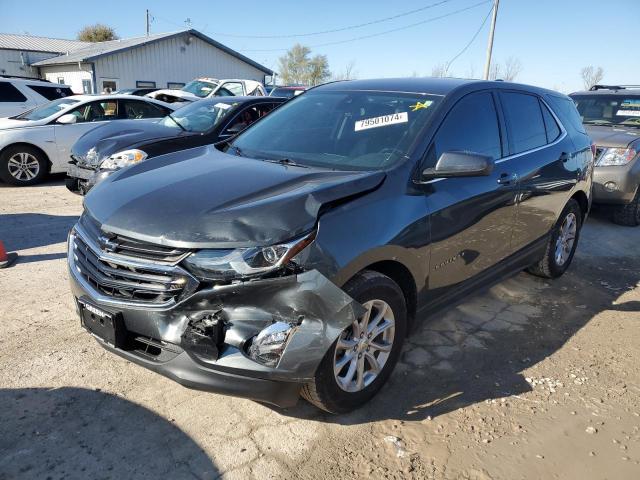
x=591, y=76
x=348, y=73
x=512, y=68
x=495, y=71
x=471, y=72
x=97, y=33
x=440, y=70
x=297, y=67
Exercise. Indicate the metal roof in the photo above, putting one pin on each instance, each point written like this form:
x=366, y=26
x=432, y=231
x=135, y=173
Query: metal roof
x=10, y=41
x=100, y=49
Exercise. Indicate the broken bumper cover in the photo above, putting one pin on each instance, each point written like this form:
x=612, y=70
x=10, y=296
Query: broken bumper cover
x=318, y=308
x=80, y=180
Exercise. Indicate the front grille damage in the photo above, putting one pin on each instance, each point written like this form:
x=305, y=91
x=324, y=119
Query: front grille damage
x=204, y=335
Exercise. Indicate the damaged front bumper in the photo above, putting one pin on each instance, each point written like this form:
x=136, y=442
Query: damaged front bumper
x=202, y=339
x=80, y=179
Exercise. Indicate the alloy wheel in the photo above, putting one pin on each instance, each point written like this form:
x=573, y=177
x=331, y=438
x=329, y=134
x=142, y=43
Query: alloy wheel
x=566, y=239
x=364, y=348
x=23, y=166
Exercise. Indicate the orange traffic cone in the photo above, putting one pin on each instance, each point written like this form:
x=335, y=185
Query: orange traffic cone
x=6, y=259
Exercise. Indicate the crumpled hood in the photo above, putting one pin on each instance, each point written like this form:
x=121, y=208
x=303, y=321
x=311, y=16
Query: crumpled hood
x=612, y=136
x=203, y=198
x=178, y=94
x=117, y=136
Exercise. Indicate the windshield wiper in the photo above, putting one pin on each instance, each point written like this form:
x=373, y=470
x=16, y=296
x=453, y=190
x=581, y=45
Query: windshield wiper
x=176, y=122
x=284, y=161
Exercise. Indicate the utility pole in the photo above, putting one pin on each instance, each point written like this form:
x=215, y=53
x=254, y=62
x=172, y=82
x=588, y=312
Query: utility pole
x=487, y=65
x=147, y=22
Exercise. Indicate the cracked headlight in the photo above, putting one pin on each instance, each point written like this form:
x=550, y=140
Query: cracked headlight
x=230, y=264
x=123, y=159
x=268, y=346
x=615, y=157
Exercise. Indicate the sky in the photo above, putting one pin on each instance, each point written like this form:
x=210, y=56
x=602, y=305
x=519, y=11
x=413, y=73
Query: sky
x=552, y=39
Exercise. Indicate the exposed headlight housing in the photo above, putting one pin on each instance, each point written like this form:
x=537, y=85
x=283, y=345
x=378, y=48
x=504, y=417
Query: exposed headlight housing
x=268, y=346
x=123, y=159
x=616, y=157
x=230, y=264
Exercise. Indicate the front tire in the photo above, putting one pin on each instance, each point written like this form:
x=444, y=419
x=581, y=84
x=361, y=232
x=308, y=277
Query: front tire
x=360, y=361
x=629, y=214
x=22, y=165
x=562, y=243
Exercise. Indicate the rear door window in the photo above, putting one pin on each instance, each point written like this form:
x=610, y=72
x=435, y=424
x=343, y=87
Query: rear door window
x=470, y=126
x=136, y=109
x=9, y=93
x=525, y=122
x=52, y=92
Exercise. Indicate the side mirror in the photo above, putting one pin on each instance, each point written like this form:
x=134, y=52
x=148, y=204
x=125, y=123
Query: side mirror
x=67, y=119
x=460, y=164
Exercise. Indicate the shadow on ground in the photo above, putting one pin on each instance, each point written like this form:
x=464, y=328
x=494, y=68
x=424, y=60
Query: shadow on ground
x=92, y=435
x=21, y=231
x=477, y=350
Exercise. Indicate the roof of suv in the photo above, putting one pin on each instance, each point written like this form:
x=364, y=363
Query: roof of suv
x=610, y=90
x=31, y=81
x=430, y=85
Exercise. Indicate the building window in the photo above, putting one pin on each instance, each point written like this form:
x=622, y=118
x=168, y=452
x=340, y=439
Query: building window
x=61, y=80
x=86, y=86
x=109, y=86
x=175, y=85
x=145, y=84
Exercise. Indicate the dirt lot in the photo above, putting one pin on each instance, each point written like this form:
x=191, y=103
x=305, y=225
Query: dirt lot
x=532, y=379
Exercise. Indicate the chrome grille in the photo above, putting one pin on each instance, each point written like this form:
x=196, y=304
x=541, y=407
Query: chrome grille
x=117, y=278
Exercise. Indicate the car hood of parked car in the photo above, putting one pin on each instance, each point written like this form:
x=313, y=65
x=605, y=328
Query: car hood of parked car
x=177, y=95
x=117, y=136
x=10, y=123
x=203, y=198
x=612, y=136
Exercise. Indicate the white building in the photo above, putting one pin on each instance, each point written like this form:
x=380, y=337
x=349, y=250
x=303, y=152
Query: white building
x=163, y=60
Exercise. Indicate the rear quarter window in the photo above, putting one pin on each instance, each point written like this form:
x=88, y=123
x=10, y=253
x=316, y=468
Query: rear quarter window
x=568, y=114
x=524, y=117
x=51, y=92
x=9, y=93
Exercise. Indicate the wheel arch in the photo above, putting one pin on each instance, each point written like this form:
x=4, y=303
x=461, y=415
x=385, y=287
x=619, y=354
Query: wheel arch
x=583, y=202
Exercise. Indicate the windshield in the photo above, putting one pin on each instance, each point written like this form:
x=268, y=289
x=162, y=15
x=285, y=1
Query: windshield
x=609, y=109
x=48, y=109
x=200, y=88
x=348, y=130
x=198, y=116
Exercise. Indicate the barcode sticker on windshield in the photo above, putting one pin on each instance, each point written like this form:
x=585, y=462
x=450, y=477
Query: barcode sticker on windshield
x=382, y=121
x=628, y=113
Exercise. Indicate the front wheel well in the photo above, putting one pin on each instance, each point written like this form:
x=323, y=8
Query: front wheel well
x=583, y=202
x=403, y=277
x=30, y=145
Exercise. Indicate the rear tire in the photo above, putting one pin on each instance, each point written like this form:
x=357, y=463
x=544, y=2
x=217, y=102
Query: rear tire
x=558, y=253
x=629, y=214
x=22, y=165
x=332, y=389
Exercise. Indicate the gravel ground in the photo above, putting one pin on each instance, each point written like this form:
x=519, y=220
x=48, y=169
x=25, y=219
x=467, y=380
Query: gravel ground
x=531, y=379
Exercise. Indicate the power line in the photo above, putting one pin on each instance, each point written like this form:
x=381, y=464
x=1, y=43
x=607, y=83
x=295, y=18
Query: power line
x=339, y=42
x=475, y=35
x=341, y=29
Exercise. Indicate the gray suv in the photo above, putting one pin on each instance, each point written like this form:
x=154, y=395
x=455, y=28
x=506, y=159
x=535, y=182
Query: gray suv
x=611, y=115
x=294, y=258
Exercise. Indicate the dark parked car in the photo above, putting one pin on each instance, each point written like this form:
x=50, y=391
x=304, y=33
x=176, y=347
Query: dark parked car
x=288, y=92
x=296, y=261
x=611, y=115
x=107, y=149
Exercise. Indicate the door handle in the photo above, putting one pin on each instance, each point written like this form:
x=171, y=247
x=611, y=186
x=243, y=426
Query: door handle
x=507, y=178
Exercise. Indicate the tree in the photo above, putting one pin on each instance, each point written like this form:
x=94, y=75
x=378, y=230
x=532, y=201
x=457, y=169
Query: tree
x=440, y=70
x=97, y=33
x=348, y=73
x=512, y=68
x=298, y=67
x=591, y=76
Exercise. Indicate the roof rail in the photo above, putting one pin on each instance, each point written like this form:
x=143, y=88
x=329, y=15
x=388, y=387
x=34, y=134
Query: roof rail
x=23, y=77
x=612, y=87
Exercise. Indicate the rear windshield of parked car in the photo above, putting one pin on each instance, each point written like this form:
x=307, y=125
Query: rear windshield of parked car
x=609, y=109
x=285, y=92
x=51, y=93
x=46, y=110
x=344, y=130
x=9, y=93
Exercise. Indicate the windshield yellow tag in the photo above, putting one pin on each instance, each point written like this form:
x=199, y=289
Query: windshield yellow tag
x=382, y=121
x=419, y=105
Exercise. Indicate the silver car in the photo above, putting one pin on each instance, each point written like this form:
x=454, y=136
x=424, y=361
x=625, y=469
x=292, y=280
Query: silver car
x=38, y=142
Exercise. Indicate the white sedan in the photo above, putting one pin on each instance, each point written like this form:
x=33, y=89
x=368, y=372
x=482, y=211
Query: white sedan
x=39, y=141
